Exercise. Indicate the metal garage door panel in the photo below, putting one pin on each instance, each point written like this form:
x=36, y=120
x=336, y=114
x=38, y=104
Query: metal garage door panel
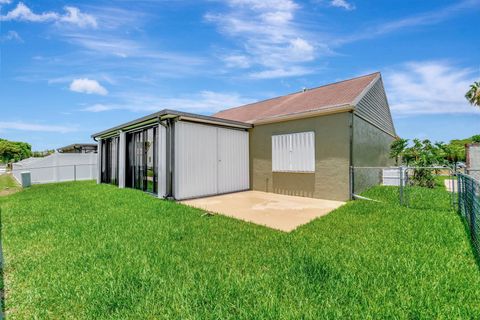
x=233, y=173
x=195, y=172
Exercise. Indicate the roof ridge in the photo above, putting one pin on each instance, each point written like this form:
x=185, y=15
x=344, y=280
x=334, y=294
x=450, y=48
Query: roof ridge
x=297, y=92
x=340, y=81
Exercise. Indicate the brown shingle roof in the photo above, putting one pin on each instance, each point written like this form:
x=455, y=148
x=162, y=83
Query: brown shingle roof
x=338, y=94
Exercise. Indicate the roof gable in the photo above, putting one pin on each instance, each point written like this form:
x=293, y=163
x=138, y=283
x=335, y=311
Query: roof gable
x=373, y=107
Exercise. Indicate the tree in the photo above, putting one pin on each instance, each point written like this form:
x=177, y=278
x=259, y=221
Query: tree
x=473, y=95
x=14, y=151
x=451, y=153
x=397, y=149
x=420, y=154
x=44, y=153
x=476, y=138
x=423, y=154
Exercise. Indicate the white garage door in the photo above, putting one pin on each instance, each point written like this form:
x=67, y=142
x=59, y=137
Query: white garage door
x=209, y=160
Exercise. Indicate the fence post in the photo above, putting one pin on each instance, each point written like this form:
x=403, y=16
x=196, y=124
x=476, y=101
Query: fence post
x=472, y=209
x=459, y=191
x=400, y=175
x=74, y=172
x=452, y=187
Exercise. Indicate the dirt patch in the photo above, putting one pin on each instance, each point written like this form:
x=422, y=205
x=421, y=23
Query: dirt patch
x=7, y=192
x=8, y=185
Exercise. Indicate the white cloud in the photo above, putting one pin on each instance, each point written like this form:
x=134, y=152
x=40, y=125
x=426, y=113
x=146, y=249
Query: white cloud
x=281, y=73
x=11, y=36
x=5, y=1
x=237, y=61
x=430, y=87
x=72, y=16
x=25, y=126
x=98, y=107
x=125, y=48
x=23, y=13
x=201, y=102
x=267, y=34
x=414, y=21
x=88, y=86
x=342, y=4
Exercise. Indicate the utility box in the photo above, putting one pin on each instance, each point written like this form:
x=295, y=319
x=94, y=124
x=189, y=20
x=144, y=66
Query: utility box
x=26, y=179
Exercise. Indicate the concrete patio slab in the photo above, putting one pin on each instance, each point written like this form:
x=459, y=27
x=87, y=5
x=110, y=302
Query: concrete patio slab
x=272, y=210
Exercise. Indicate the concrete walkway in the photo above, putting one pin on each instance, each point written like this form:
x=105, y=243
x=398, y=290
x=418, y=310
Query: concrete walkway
x=272, y=210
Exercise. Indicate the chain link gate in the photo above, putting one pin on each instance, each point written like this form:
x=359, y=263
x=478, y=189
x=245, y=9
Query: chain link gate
x=363, y=178
x=410, y=180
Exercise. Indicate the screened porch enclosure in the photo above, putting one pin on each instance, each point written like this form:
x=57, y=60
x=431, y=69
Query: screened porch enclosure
x=176, y=155
x=142, y=160
x=110, y=163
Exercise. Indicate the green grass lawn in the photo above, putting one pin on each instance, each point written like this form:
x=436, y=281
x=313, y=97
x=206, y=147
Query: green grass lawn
x=81, y=250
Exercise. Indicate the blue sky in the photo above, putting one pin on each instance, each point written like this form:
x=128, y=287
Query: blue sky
x=71, y=68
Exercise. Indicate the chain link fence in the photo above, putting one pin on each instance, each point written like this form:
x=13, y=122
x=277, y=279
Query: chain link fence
x=404, y=178
x=430, y=177
x=469, y=206
x=463, y=189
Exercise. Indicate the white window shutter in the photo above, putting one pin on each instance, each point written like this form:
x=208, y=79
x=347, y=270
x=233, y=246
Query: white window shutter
x=293, y=152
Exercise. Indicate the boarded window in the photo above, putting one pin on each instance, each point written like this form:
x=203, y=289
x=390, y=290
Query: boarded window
x=293, y=152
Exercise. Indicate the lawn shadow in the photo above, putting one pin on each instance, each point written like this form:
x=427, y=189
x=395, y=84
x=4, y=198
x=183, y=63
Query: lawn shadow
x=421, y=198
x=468, y=233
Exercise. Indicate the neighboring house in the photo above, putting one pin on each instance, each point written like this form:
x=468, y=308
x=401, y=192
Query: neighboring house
x=299, y=144
x=79, y=148
x=472, y=152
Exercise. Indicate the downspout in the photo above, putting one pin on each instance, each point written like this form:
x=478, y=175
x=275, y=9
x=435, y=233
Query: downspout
x=351, y=168
x=170, y=165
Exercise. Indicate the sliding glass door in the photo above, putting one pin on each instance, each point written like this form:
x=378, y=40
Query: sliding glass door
x=110, y=160
x=141, y=166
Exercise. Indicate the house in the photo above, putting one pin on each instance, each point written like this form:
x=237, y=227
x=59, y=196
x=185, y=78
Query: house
x=79, y=148
x=299, y=144
x=472, y=153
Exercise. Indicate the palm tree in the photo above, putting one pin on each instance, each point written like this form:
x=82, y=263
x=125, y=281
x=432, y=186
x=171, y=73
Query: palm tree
x=473, y=95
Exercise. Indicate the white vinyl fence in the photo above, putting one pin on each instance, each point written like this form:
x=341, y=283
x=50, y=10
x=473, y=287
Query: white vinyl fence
x=58, y=167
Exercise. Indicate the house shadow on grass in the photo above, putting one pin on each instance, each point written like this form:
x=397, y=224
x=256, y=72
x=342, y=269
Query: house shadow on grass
x=472, y=241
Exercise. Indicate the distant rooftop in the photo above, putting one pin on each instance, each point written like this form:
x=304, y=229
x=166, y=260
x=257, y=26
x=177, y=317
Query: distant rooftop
x=78, y=147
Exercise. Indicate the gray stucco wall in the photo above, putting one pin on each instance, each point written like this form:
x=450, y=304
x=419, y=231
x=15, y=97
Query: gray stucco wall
x=332, y=158
x=371, y=148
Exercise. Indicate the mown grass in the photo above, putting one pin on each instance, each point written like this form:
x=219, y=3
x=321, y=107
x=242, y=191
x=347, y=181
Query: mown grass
x=86, y=251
